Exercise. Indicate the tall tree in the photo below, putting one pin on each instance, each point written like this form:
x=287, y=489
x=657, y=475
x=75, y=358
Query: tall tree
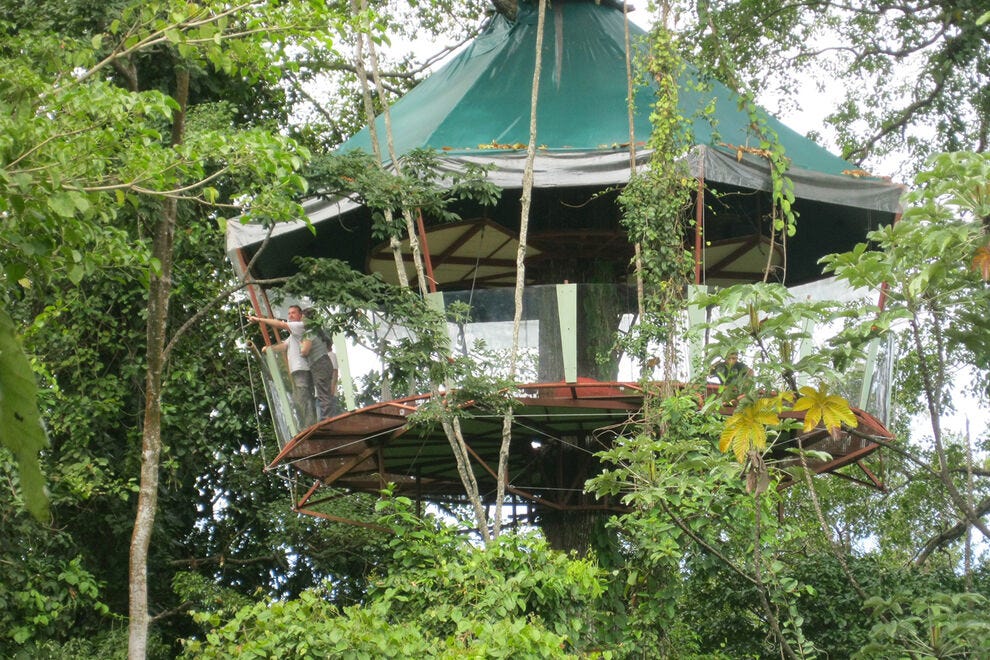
x=933, y=270
x=87, y=153
x=910, y=79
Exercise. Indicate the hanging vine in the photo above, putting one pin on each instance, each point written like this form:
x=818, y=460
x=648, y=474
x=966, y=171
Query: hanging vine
x=369, y=111
x=654, y=205
x=526, y=199
x=439, y=383
x=783, y=217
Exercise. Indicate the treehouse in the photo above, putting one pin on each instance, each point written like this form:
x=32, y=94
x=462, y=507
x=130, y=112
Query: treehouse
x=579, y=283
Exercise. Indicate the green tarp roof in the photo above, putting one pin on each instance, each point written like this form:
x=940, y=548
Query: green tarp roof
x=482, y=96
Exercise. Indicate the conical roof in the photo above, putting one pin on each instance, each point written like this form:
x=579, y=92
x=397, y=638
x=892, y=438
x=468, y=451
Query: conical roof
x=476, y=109
x=481, y=99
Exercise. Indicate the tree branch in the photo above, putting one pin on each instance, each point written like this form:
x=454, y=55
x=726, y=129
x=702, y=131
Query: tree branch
x=178, y=609
x=10, y=166
x=932, y=398
x=950, y=534
x=857, y=155
x=684, y=527
x=221, y=559
x=886, y=444
x=219, y=298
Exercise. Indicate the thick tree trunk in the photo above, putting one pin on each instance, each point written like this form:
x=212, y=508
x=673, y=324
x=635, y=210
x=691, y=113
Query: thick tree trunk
x=159, y=290
x=575, y=531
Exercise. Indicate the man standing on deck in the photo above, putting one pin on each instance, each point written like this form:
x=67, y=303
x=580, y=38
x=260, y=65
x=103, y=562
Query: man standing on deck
x=302, y=380
x=317, y=348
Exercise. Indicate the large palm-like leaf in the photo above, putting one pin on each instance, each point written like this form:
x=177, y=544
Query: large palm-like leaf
x=831, y=410
x=747, y=427
x=21, y=430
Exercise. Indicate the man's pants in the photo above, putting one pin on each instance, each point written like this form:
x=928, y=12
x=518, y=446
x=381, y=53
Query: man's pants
x=302, y=398
x=325, y=379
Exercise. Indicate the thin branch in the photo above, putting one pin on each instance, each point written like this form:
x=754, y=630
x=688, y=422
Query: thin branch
x=976, y=472
x=950, y=534
x=175, y=192
x=520, y=284
x=896, y=124
x=208, y=307
x=761, y=589
x=299, y=88
x=258, y=252
x=886, y=444
x=9, y=166
x=931, y=398
x=220, y=558
x=904, y=51
x=152, y=39
x=860, y=55
x=684, y=527
x=178, y=609
x=837, y=550
x=160, y=36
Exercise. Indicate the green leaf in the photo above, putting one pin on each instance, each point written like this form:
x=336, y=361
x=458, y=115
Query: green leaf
x=79, y=201
x=21, y=430
x=76, y=273
x=62, y=204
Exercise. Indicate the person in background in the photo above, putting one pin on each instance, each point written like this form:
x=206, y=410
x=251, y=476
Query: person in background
x=731, y=371
x=317, y=348
x=302, y=379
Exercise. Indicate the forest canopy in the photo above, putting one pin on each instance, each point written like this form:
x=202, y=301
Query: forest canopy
x=137, y=514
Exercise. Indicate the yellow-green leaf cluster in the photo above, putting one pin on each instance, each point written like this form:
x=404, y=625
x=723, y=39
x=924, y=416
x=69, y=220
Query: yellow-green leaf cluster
x=831, y=410
x=747, y=427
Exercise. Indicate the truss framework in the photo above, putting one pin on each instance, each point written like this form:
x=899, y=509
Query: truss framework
x=558, y=428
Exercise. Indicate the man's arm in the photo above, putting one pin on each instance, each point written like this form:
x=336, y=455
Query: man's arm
x=279, y=347
x=275, y=323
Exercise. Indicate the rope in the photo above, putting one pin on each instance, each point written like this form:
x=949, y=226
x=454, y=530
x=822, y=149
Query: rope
x=257, y=408
x=461, y=335
x=254, y=394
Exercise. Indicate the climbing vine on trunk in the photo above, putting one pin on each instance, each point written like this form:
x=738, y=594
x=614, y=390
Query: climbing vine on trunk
x=654, y=203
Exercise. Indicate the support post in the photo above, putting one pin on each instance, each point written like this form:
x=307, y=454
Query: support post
x=567, y=315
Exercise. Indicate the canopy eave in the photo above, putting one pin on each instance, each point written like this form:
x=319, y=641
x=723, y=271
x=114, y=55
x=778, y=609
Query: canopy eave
x=561, y=168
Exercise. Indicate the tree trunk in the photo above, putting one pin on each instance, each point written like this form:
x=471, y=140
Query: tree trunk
x=550, y=367
x=159, y=290
x=526, y=199
x=572, y=530
x=151, y=436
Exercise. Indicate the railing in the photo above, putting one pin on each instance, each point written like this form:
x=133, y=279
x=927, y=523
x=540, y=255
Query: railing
x=567, y=334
